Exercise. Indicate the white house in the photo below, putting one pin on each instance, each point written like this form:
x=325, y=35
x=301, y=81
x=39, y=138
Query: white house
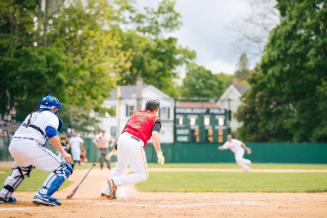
x=231, y=100
x=125, y=100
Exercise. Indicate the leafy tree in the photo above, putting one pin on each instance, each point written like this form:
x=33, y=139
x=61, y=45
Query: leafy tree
x=226, y=80
x=153, y=56
x=201, y=83
x=70, y=54
x=288, y=96
x=94, y=50
x=16, y=33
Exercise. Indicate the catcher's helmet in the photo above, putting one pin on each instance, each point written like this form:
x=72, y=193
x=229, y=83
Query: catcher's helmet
x=50, y=102
x=152, y=104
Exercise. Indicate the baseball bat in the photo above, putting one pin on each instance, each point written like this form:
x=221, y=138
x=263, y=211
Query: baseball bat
x=71, y=194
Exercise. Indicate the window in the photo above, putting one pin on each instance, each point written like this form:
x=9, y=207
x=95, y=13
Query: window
x=129, y=110
x=164, y=113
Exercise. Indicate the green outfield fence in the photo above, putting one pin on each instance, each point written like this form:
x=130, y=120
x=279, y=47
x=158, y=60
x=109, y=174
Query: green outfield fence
x=208, y=153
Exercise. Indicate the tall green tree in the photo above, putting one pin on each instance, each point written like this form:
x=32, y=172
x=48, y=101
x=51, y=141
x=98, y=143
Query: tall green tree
x=18, y=54
x=288, y=97
x=201, y=83
x=154, y=56
x=73, y=53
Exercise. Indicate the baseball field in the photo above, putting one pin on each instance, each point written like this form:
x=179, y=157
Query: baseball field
x=186, y=190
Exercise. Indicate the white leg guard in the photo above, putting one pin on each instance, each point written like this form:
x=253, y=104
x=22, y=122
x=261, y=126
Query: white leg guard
x=16, y=177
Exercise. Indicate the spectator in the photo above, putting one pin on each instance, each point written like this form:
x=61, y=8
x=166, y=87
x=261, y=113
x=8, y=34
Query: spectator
x=75, y=144
x=102, y=143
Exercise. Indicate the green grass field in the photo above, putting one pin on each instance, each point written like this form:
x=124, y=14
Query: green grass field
x=32, y=183
x=235, y=166
x=233, y=182
x=226, y=166
x=213, y=181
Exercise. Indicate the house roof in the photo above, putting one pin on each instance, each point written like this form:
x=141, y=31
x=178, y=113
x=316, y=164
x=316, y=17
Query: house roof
x=241, y=89
x=130, y=91
x=237, y=90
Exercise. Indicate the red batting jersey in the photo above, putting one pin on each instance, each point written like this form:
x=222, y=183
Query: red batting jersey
x=141, y=124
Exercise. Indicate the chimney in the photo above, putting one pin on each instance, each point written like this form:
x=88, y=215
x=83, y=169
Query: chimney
x=236, y=81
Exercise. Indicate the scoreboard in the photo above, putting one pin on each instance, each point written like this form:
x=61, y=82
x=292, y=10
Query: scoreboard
x=201, y=125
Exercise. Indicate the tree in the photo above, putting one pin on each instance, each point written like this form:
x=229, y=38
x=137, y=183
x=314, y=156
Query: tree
x=153, y=56
x=16, y=30
x=80, y=50
x=201, y=83
x=226, y=80
x=287, y=100
x=70, y=54
x=259, y=22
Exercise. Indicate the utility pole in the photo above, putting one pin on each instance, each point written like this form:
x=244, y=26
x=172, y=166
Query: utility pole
x=139, y=87
x=118, y=111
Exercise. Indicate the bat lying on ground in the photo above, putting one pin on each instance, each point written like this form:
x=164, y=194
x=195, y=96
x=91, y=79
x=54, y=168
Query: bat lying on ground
x=71, y=194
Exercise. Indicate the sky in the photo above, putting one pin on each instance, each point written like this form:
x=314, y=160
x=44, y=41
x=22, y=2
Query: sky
x=209, y=29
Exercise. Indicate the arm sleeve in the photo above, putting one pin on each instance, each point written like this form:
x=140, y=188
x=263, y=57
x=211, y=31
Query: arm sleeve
x=157, y=126
x=52, y=126
x=50, y=132
x=53, y=121
x=225, y=146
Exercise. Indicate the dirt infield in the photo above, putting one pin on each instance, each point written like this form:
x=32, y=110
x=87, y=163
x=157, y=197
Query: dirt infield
x=88, y=203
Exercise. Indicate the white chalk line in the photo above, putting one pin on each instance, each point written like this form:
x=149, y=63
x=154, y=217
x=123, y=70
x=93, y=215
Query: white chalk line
x=188, y=205
x=237, y=170
x=14, y=208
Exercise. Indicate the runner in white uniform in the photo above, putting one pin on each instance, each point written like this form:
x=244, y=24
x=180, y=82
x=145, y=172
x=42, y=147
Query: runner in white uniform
x=28, y=149
x=238, y=148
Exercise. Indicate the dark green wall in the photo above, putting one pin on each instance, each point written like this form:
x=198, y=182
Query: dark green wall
x=261, y=153
x=208, y=153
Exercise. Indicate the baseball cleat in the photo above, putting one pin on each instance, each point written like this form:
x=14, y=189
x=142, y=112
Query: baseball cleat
x=10, y=200
x=112, y=190
x=46, y=200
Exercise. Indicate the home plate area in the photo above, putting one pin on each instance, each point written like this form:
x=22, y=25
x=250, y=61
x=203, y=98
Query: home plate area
x=87, y=202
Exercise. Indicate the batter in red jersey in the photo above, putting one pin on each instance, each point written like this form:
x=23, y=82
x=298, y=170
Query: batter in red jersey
x=142, y=126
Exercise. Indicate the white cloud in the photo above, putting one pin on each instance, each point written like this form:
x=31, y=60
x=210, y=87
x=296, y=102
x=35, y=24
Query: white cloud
x=207, y=29
x=218, y=66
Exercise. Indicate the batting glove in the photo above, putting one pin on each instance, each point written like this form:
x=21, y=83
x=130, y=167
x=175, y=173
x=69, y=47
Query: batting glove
x=161, y=158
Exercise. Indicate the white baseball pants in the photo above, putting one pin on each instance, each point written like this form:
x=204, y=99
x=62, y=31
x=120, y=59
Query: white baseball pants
x=28, y=152
x=244, y=163
x=130, y=153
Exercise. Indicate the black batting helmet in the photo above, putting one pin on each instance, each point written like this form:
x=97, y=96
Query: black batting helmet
x=152, y=104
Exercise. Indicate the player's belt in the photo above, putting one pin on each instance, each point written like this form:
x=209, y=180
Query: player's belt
x=15, y=137
x=135, y=138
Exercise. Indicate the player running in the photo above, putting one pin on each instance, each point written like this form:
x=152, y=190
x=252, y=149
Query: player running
x=28, y=150
x=238, y=148
x=142, y=125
